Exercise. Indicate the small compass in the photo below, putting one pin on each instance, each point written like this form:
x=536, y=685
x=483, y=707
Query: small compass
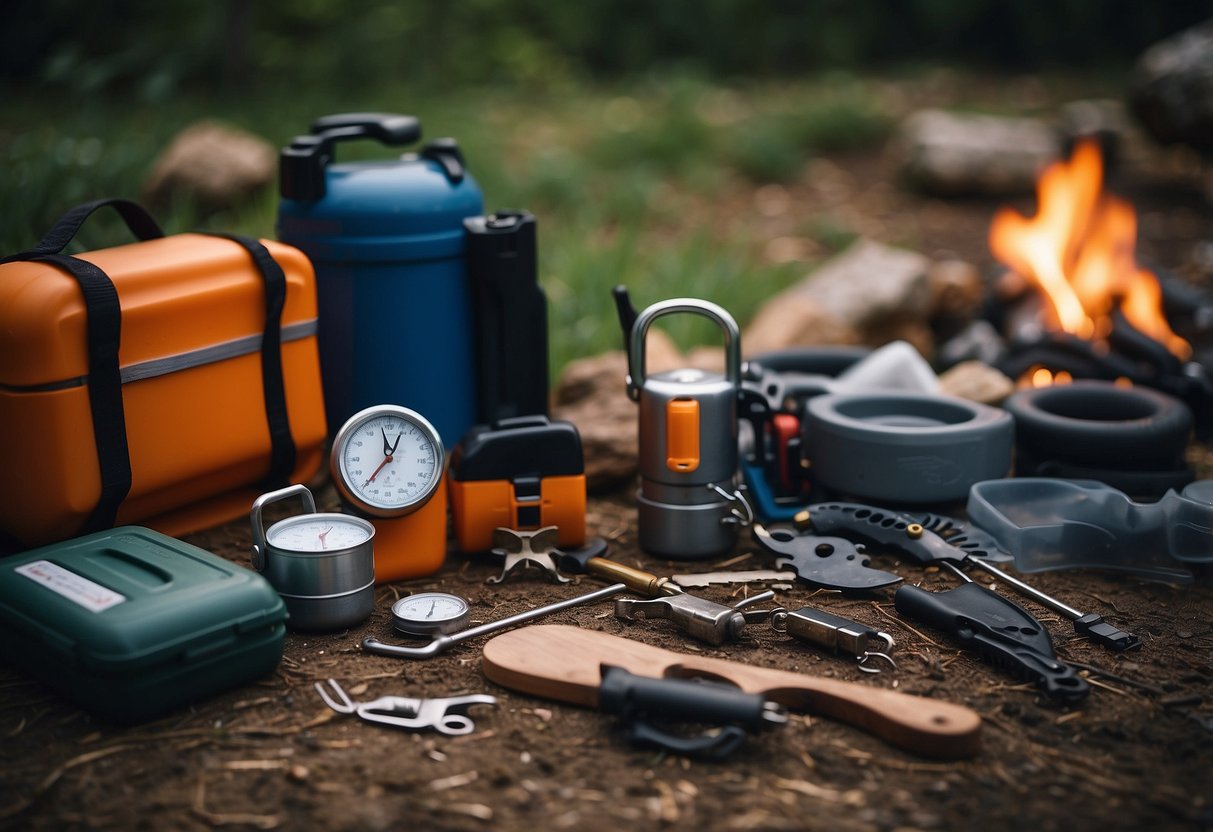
x=430, y=614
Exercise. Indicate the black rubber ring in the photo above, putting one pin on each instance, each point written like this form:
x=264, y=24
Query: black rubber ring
x=905, y=448
x=1097, y=423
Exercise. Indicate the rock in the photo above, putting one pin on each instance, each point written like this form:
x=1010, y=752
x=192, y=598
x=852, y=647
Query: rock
x=955, y=154
x=588, y=377
x=1171, y=91
x=957, y=290
x=1103, y=120
x=870, y=294
x=978, y=341
x=592, y=394
x=794, y=321
x=977, y=382
x=916, y=333
x=212, y=166
x=707, y=358
x=870, y=284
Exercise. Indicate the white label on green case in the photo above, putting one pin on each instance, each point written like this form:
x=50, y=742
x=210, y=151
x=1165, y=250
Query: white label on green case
x=76, y=588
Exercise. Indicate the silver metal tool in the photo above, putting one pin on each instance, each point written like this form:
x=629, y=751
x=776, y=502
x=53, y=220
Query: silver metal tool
x=698, y=617
x=833, y=632
x=702, y=579
x=827, y=562
x=908, y=536
x=522, y=550
x=1090, y=624
x=446, y=716
x=448, y=640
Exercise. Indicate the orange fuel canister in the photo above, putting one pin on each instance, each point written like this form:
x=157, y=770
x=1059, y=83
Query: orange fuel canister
x=166, y=382
x=522, y=473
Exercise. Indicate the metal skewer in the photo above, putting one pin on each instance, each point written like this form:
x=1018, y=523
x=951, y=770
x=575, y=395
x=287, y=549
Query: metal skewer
x=445, y=642
x=1088, y=624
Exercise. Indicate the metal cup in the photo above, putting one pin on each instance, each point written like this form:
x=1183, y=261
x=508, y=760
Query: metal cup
x=323, y=590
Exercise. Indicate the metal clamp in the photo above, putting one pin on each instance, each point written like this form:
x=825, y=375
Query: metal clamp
x=526, y=549
x=835, y=633
x=743, y=518
x=446, y=716
x=698, y=617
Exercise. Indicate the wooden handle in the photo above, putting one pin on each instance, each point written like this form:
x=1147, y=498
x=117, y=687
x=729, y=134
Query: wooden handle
x=561, y=662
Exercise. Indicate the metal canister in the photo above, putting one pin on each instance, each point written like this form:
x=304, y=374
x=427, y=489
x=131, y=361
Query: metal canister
x=387, y=240
x=322, y=564
x=689, y=506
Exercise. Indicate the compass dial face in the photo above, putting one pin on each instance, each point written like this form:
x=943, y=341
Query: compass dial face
x=387, y=460
x=318, y=533
x=430, y=613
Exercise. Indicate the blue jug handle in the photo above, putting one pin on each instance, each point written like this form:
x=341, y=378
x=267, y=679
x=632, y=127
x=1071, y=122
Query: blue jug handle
x=301, y=164
x=387, y=128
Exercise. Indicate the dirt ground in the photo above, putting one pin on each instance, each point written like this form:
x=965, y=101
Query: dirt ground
x=271, y=755
x=1137, y=754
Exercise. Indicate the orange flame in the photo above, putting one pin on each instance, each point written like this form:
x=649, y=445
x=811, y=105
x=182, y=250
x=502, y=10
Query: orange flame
x=1079, y=250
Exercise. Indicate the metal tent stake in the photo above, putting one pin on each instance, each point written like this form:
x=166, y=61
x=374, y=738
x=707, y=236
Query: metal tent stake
x=444, y=642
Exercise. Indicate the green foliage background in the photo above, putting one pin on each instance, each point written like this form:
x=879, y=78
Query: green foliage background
x=627, y=127
x=160, y=48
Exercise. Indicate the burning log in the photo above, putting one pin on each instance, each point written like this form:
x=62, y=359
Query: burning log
x=1095, y=313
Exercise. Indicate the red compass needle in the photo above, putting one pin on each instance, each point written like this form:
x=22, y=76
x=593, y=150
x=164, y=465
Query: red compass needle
x=371, y=478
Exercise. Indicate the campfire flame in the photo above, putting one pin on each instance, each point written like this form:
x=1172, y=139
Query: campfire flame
x=1079, y=251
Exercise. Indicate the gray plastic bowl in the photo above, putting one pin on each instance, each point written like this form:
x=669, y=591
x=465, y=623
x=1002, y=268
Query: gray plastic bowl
x=913, y=448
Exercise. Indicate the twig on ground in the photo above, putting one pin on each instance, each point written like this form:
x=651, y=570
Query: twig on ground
x=901, y=623
x=223, y=819
x=51, y=779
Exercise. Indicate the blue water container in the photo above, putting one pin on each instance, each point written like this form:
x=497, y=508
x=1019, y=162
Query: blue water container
x=387, y=240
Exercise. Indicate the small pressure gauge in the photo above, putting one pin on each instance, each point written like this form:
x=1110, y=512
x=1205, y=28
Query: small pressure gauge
x=430, y=614
x=387, y=461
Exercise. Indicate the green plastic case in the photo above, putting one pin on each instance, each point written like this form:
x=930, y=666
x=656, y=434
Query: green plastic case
x=131, y=624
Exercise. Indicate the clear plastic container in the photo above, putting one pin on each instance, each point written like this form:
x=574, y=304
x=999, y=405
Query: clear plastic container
x=1049, y=524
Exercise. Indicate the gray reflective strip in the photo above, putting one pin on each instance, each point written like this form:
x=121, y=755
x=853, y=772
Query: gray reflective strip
x=182, y=361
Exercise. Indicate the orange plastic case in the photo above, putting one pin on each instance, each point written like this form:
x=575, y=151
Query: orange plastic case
x=521, y=473
x=479, y=508
x=193, y=313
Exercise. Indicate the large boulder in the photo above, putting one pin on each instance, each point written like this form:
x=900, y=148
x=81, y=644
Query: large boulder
x=211, y=166
x=592, y=394
x=1172, y=88
x=870, y=294
x=963, y=153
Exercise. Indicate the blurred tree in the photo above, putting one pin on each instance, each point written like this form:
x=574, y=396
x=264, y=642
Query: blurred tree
x=157, y=49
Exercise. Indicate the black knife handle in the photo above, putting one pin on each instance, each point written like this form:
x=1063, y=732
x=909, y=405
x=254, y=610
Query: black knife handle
x=998, y=630
x=685, y=700
x=645, y=703
x=883, y=527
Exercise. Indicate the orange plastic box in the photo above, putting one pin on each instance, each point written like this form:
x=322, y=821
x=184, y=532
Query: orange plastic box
x=212, y=396
x=521, y=473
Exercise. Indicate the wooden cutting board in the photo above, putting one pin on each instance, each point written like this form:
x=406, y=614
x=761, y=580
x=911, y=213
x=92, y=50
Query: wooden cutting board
x=561, y=662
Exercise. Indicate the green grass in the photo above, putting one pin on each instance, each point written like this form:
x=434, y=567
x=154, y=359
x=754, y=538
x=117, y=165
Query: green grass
x=635, y=185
